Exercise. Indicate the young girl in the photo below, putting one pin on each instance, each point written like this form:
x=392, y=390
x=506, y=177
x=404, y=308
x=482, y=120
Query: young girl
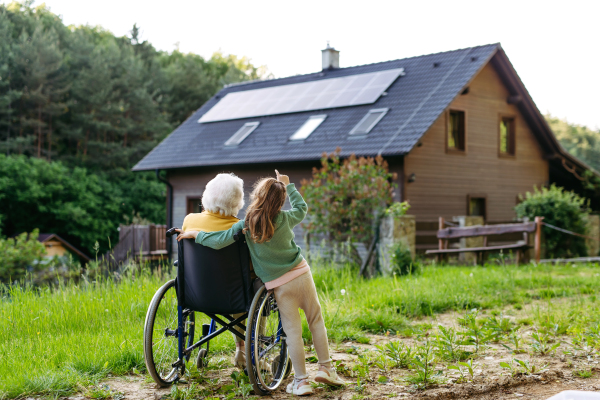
x=279, y=263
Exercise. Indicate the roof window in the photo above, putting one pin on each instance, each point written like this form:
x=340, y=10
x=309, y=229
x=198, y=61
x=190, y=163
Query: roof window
x=242, y=133
x=368, y=122
x=308, y=127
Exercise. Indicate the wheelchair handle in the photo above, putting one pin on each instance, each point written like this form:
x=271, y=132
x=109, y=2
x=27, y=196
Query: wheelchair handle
x=238, y=235
x=171, y=232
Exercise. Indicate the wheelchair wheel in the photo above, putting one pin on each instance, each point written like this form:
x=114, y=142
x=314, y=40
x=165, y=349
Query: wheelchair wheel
x=265, y=344
x=161, y=343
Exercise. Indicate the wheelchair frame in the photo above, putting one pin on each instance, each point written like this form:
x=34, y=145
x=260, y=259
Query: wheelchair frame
x=185, y=316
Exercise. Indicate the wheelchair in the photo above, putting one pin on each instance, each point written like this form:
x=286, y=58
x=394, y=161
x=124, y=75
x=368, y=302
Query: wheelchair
x=216, y=283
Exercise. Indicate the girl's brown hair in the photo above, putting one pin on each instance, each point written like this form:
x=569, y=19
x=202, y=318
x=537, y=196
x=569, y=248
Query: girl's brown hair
x=267, y=199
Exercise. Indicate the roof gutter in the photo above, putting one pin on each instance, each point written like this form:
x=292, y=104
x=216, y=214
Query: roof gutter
x=169, y=210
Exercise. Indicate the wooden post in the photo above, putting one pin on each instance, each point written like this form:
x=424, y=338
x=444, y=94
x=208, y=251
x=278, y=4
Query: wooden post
x=440, y=241
x=440, y=227
x=538, y=238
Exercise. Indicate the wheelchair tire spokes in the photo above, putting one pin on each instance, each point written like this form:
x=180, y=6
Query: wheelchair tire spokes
x=162, y=336
x=264, y=344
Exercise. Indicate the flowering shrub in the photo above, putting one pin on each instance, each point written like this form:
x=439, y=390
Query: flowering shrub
x=345, y=197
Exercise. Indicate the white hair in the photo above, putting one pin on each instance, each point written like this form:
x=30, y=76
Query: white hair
x=224, y=195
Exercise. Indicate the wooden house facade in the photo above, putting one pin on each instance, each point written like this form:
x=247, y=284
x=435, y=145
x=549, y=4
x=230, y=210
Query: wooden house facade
x=459, y=129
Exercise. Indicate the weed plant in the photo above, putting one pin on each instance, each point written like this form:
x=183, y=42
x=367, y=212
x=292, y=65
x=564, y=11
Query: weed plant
x=423, y=365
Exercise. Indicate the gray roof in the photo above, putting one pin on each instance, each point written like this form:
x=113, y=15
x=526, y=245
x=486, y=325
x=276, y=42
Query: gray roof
x=415, y=101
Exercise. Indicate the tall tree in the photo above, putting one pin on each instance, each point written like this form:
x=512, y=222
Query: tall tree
x=96, y=103
x=39, y=60
x=581, y=141
x=7, y=92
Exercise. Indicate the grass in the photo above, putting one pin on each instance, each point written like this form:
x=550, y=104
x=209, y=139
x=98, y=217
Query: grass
x=385, y=304
x=54, y=340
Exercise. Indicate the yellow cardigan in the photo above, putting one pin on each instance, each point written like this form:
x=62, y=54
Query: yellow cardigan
x=207, y=221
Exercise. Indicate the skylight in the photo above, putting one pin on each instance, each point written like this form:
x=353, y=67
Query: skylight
x=308, y=127
x=368, y=122
x=318, y=94
x=242, y=133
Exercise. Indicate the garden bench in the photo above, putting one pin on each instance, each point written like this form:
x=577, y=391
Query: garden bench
x=445, y=234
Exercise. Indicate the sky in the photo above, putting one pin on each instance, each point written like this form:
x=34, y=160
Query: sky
x=553, y=45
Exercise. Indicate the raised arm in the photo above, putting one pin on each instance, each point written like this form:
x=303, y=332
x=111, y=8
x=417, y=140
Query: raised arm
x=299, y=207
x=218, y=240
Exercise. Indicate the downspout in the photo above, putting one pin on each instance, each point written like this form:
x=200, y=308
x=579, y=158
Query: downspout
x=169, y=210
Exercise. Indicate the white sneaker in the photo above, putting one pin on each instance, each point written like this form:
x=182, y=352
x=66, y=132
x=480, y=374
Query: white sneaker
x=329, y=377
x=300, y=387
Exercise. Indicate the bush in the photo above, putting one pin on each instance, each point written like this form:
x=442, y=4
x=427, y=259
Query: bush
x=401, y=260
x=20, y=254
x=80, y=206
x=397, y=209
x=560, y=208
x=345, y=197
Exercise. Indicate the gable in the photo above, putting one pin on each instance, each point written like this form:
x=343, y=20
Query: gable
x=479, y=171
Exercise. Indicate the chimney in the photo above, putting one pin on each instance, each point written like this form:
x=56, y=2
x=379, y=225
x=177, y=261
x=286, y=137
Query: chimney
x=331, y=58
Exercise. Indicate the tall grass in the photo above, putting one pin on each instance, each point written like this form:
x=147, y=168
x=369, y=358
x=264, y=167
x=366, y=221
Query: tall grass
x=51, y=340
x=383, y=304
x=54, y=339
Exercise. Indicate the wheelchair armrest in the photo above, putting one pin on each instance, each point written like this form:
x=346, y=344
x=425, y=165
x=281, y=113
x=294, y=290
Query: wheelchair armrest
x=238, y=235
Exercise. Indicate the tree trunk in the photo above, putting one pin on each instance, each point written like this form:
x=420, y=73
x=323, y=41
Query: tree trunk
x=87, y=137
x=39, y=144
x=50, y=138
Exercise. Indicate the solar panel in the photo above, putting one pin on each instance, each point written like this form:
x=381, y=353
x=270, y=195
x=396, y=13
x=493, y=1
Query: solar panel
x=325, y=93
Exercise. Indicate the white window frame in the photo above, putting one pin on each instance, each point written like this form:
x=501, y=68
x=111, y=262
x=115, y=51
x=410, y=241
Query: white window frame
x=322, y=117
x=383, y=112
x=231, y=142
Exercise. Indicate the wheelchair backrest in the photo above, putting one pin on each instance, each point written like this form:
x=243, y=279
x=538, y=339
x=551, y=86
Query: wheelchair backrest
x=214, y=281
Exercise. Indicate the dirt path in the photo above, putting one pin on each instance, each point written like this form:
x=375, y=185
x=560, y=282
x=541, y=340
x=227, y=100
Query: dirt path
x=490, y=381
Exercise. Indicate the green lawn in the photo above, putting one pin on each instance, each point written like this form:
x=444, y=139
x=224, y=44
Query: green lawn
x=51, y=341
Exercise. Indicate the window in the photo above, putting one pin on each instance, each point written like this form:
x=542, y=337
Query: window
x=477, y=205
x=368, y=122
x=507, y=136
x=242, y=133
x=194, y=205
x=308, y=127
x=456, y=131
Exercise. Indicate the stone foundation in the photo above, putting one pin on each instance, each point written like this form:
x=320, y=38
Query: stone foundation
x=393, y=231
x=593, y=231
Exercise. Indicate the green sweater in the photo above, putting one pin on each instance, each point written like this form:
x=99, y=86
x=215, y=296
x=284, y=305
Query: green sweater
x=279, y=255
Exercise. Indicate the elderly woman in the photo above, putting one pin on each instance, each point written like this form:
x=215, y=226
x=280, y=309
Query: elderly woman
x=222, y=199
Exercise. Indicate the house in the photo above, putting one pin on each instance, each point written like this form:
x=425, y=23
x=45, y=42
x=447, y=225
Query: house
x=57, y=246
x=459, y=129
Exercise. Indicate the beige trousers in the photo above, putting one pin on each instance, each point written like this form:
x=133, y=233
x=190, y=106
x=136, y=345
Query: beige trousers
x=301, y=293
x=238, y=340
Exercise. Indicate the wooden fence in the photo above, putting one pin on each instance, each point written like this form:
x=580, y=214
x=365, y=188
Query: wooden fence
x=146, y=242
